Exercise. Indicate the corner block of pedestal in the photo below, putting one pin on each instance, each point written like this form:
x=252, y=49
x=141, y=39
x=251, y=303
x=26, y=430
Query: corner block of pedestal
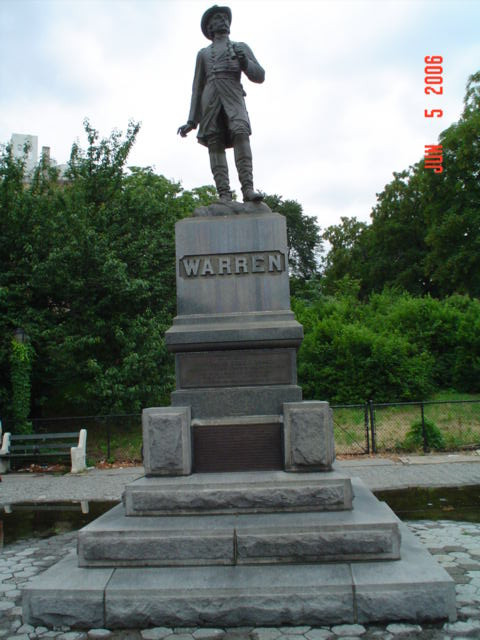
x=308, y=436
x=167, y=447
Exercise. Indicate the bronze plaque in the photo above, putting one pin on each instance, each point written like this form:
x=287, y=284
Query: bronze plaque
x=236, y=368
x=252, y=447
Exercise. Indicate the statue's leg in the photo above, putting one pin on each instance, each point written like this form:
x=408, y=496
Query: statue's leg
x=219, y=166
x=243, y=162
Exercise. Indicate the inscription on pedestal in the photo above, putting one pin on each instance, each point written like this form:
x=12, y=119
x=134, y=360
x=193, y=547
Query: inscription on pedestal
x=233, y=264
x=236, y=367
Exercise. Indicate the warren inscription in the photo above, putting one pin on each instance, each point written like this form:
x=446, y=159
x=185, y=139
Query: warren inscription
x=232, y=264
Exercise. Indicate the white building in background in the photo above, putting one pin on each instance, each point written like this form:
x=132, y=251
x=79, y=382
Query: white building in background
x=18, y=141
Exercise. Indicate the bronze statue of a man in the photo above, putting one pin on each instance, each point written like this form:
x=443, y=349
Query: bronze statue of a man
x=218, y=104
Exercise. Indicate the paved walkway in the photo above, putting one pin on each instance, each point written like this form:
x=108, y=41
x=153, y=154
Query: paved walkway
x=456, y=546
x=377, y=473
x=446, y=470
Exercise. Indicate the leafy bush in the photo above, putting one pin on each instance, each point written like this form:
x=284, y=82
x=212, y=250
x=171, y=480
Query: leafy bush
x=392, y=347
x=433, y=436
x=346, y=357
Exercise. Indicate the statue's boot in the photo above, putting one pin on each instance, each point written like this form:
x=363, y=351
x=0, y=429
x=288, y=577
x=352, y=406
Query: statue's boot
x=219, y=167
x=243, y=162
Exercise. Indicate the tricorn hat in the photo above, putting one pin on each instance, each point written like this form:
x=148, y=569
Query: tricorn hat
x=208, y=14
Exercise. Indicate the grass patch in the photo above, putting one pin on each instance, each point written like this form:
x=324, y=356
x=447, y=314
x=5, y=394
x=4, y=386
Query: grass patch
x=125, y=436
x=349, y=430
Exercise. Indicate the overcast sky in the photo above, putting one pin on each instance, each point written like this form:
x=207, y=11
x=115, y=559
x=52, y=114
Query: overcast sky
x=341, y=108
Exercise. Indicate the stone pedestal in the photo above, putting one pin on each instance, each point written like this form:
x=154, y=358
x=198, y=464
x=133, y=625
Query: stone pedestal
x=276, y=536
x=235, y=341
x=235, y=337
x=231, y=265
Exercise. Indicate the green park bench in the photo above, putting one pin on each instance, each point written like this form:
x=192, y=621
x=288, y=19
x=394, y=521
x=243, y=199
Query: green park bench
x=42, y=446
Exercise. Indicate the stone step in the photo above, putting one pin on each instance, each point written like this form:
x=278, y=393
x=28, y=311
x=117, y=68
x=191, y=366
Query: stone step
x=414, y=589
x=238, y=492
x=370, y=531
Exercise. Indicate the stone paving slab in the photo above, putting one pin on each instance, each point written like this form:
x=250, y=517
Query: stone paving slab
x=456, y=546
x=369, y=532
x=93, y=484
x=114, y=539
x=432, y=473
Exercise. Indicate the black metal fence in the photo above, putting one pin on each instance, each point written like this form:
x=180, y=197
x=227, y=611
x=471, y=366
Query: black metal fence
x=449, y=425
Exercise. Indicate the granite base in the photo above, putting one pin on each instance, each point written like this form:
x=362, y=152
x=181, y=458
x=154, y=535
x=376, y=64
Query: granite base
x=414, y=589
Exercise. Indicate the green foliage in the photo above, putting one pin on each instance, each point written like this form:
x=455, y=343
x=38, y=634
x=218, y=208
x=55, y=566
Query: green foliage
x=433, y=436
x=88, y=270
x=393, y=346
x=466, y=368
x=303, y=237
x=447, y=329
x=428, y=324
x=424, y=238
x=345, y=259
x=452, y=198
x=21, y=368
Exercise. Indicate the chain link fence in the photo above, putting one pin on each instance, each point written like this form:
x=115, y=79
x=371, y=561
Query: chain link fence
x=351, y=424
x=359, y=429
x=448, y=425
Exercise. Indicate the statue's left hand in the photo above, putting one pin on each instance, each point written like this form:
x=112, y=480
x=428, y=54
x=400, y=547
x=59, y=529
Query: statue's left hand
x=241, y=55
x=184, y=129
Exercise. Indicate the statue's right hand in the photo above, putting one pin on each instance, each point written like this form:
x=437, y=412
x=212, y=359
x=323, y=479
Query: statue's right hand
x=184, y=129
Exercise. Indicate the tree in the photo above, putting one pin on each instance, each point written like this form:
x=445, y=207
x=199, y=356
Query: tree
x=303, y=237
x=88, y=270
x=347, y=256
x=398, y=250
x=452, y=204
x=15, y=275
x=20, y=367
x=424, y=235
